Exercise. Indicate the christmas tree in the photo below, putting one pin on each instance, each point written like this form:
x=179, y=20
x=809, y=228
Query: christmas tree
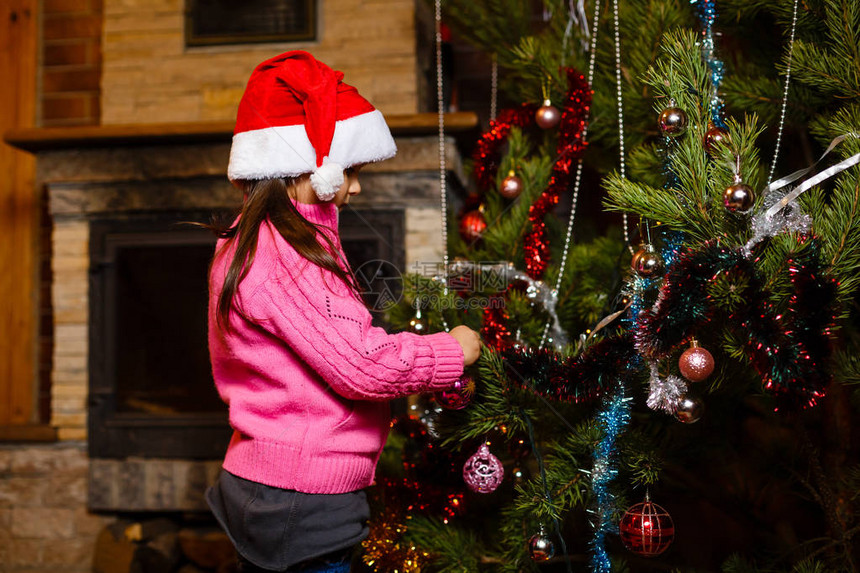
x=678, y=392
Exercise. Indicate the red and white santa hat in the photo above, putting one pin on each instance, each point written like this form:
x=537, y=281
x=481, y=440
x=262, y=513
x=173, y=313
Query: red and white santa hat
x=297, y=116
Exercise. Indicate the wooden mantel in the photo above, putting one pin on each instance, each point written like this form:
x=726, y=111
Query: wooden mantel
x=50, y=138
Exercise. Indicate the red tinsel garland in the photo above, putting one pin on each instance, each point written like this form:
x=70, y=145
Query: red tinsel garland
x=494, y=330
x=399, y=498
x=571, y=146
x=788, y=349
x=577, y=379
x=487, y=154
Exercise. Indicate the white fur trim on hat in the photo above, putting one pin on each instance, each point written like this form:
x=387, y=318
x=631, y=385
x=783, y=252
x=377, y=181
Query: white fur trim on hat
x=327, y=179
x=285, y=151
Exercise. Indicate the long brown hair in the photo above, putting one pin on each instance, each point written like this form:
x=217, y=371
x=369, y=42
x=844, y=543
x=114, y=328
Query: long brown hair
x=269, y=199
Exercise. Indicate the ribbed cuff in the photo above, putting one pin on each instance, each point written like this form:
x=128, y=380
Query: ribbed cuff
x=449, y=360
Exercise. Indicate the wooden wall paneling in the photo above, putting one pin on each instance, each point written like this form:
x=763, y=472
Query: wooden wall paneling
x=18, y=214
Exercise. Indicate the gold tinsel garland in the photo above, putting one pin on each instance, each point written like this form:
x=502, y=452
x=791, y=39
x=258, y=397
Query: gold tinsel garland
x=385, y=549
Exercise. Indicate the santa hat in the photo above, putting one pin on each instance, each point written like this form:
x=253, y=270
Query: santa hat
x=297, y=116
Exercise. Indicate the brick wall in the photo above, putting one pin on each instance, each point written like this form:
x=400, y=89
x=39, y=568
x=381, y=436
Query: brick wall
x=71, y=62
x=44, y=524
x=149, y=76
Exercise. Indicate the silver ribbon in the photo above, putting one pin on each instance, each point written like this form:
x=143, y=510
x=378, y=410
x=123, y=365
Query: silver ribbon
x=780, y=213
x=813, y=181
x=578, y=17
x=536, y=290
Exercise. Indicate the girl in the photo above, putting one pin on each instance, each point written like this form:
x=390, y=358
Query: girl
x=306, y=377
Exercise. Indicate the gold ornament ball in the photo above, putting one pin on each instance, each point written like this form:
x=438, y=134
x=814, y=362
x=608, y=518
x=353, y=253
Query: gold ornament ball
x=672, y=121
x=547, y=116
x=418, y=325
x=738, y=197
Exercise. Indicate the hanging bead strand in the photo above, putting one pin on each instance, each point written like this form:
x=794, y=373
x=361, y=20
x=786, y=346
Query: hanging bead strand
x=494, y=86
x=578, y=177
x=622, y=165
x=443, y=182
x=784, y=94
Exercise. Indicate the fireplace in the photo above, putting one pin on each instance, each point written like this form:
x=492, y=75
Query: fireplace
x=130, y=365
x=151, y=389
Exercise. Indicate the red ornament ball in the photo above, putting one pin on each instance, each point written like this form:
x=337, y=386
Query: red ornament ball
x=547, y=116
x=483, y=472
x=472, y=226
x=457, y=397
x=647, y=529
x=696, y=364
x=511, y=187
x=714, y=137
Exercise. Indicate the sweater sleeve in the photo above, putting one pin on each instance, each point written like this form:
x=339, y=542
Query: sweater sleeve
x=332, y=333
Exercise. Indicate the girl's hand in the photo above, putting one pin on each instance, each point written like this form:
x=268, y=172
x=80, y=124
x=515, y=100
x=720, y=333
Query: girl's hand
x=470, y=342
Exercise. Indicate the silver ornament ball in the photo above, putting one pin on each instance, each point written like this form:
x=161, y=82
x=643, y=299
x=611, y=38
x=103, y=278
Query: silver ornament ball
x=689, y=409
x=647, y=264
x=738, y=197
x=672, y=121
x=541, y=547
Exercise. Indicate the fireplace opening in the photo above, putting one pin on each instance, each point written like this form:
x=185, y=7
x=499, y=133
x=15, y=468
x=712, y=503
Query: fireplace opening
x=161, y=309
x=151, y=388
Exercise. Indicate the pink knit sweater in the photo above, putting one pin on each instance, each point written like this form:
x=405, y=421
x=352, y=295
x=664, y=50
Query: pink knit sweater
x=307, y=378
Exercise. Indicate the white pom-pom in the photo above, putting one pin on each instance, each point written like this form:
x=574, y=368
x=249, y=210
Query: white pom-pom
x=327, y=179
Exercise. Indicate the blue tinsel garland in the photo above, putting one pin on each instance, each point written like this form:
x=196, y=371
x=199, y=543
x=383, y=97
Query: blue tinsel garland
x=707, y=15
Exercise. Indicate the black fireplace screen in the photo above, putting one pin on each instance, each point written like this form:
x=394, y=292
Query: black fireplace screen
x=151, y=389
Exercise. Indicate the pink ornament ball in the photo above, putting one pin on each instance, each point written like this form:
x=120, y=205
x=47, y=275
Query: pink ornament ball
x=696, y=364
x=457, y=397
x=483, y=472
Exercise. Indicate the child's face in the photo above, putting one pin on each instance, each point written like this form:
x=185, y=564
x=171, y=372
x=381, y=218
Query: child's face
x=302, y=191
x=350, y=186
